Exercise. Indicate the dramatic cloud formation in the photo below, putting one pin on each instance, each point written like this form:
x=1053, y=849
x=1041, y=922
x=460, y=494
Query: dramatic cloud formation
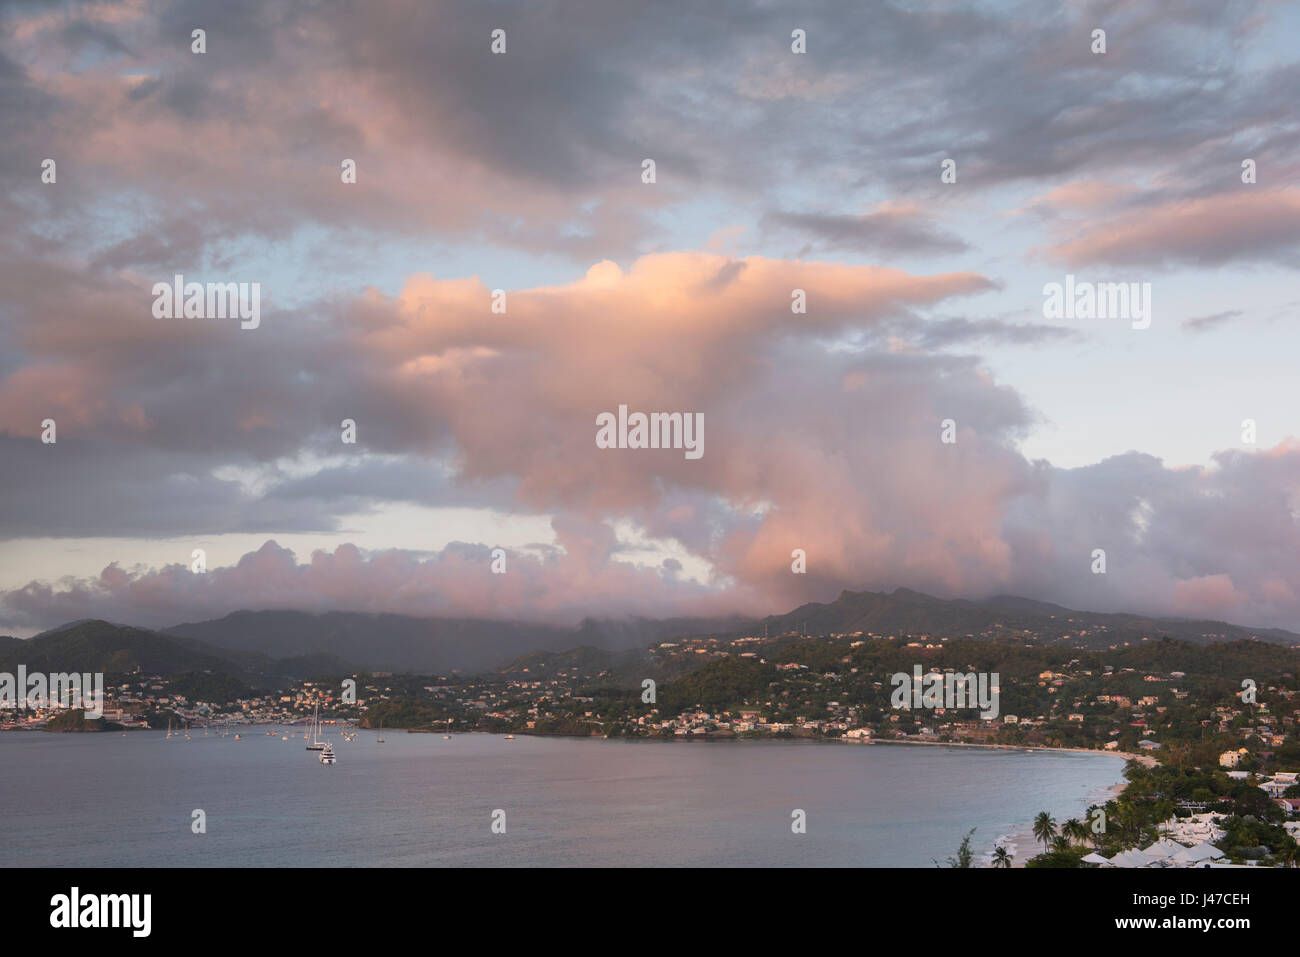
x=561, y=585
x=825, y=335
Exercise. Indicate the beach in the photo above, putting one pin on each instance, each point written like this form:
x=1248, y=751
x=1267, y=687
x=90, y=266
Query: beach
x=1022, y=845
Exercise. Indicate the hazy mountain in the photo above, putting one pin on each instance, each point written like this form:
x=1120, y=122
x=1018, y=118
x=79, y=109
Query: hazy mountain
x=907, y=612
x=428, y=645
x=92, y=645
x=379, y=642
x=266, y=646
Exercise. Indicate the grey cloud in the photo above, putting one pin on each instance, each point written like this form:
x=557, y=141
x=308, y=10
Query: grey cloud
x=88, y=489
x=886, y=232
x=1212, y=321
x=940, y=333
x=541, y=150
x=713, y=94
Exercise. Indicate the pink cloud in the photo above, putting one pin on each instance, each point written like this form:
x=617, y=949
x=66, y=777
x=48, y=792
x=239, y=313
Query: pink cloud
x=1210, y=595
x=1248, y=222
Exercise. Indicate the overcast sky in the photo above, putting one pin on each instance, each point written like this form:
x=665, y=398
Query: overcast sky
x=523, y=171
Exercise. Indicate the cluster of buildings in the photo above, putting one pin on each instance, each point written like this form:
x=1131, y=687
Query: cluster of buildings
x=832, y=686
x=1185, y=842
x=147, y=701
x=1167, y=853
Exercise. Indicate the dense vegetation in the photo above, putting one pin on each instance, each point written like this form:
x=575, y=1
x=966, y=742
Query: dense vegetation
x=1249, y=817
x=75, y=720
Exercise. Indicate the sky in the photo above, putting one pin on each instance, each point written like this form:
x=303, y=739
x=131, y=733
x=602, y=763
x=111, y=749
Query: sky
x=923, y=172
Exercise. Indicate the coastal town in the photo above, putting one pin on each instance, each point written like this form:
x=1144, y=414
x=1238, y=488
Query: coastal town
x=826, y=687
x=1223, y=718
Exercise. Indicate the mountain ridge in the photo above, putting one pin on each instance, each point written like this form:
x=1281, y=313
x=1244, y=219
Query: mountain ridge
x=905, y=611
x=267, y=645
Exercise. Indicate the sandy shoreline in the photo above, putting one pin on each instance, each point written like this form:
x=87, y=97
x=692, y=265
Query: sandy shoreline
x=1022, y=844
x=1144, y=759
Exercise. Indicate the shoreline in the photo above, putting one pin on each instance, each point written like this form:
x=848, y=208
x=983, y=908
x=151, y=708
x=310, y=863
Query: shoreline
x=1023, y=837
x=1019, y=839
x=1146, y=760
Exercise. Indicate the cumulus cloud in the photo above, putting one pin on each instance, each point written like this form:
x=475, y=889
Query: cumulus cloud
x=577, y=577
x=815, y=439
x=1217, y=542
x=821, y=428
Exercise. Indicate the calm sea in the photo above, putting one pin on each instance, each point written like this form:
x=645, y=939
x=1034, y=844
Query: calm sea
x=420, y=800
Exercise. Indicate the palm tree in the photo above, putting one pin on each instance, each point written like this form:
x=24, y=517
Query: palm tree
x=1044, y=828
x=1287, y=855
x=1061, y=844
x=1075, y=830
x=1097, y=837
x=1130, y=822
x=1000, y=857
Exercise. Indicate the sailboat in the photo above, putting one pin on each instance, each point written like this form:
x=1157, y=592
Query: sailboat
x=381, y=733
x=316, y=744
x=169, y=727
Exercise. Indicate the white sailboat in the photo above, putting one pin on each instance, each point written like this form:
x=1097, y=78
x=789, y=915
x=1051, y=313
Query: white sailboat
x=316, y=744
x=380, y=740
